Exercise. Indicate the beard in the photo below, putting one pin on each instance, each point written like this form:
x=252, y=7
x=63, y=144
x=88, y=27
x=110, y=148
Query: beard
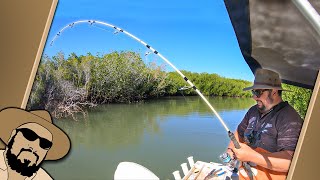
x=24, y=168
x=262, y=107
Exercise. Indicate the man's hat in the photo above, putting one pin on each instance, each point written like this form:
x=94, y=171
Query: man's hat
x=12, y=118
x=266, y=79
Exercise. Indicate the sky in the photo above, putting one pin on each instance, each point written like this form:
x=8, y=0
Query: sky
x=196, y=36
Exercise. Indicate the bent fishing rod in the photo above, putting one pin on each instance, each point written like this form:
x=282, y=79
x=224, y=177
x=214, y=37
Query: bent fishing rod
x=92, y=22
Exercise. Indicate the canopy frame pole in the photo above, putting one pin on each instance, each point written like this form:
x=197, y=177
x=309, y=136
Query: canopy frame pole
x=305, y=149
x=309, y=13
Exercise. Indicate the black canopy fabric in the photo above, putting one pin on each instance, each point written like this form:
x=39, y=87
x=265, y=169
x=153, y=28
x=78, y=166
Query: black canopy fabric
x=273, y=34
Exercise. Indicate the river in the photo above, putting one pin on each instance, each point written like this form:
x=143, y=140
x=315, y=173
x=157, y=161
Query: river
x=158, y=134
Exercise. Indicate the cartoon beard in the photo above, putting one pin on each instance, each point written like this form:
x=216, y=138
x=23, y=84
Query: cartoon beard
x=24, y=168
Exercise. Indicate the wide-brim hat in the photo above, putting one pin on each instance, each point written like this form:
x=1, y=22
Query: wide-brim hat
x=266, y=79
x=12, y=118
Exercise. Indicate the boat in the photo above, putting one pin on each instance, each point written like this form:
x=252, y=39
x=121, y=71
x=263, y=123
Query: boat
x=288, y=43
x=198, y=170
x=131, y=170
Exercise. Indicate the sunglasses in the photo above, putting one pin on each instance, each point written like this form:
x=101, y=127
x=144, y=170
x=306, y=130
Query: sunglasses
x=32, y=136
x=258, y=92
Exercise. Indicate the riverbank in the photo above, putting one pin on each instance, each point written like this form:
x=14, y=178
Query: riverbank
x=66, y=86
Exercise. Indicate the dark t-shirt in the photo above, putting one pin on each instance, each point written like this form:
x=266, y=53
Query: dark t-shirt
x=279, y=129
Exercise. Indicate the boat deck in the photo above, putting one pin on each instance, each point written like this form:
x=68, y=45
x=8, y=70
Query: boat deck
x=209, y=171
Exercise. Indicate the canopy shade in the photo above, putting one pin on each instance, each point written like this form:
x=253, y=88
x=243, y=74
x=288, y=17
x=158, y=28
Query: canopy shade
x=275, y=35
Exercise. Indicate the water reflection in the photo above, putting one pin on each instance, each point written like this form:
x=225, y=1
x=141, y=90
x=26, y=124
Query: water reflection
x=158, y=134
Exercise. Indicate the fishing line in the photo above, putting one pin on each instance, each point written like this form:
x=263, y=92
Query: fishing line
x=187, y=100
x=119, y=30
x=108, y=30
x=182, y=89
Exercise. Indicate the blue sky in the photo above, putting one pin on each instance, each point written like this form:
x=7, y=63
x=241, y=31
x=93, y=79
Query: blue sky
x=194, y=35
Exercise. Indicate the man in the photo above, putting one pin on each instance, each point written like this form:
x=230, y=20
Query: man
x=269, y=132
x=30, y=138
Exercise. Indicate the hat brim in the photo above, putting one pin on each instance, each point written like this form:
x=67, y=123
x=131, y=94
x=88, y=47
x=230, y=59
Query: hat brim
x=11, y=118
x=264, y=87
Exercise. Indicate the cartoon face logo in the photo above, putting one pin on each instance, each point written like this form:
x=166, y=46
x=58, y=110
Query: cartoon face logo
x=31, y=138
x=28, y=147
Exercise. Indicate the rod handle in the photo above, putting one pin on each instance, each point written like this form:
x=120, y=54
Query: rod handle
x=237, y=145
x=234, y=140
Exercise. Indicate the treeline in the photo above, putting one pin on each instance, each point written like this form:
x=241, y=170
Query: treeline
x=208, y=84
x=65, y=86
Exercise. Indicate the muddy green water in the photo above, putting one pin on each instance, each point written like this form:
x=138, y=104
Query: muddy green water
x=158, y=134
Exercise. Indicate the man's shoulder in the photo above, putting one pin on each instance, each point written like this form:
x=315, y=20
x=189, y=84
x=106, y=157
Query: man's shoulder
x=288, y=116
x=42, y=175
x=253, y=109
x=290, y=113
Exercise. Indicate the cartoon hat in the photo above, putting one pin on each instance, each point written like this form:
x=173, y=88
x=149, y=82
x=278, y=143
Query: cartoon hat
x=266, y=79
x=12, y=118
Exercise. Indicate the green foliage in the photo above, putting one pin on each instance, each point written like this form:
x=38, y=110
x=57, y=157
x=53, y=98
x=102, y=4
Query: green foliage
x=208, y=84
x=67, y=85
x=298, y=97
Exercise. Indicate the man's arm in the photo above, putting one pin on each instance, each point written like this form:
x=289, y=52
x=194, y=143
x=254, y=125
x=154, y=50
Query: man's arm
x=278, y=161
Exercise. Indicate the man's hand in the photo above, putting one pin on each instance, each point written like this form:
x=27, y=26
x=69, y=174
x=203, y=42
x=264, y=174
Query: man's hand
x=231, y=153
x=245, y=153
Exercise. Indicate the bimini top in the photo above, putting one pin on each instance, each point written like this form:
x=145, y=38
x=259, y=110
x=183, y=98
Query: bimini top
x=275, y=35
